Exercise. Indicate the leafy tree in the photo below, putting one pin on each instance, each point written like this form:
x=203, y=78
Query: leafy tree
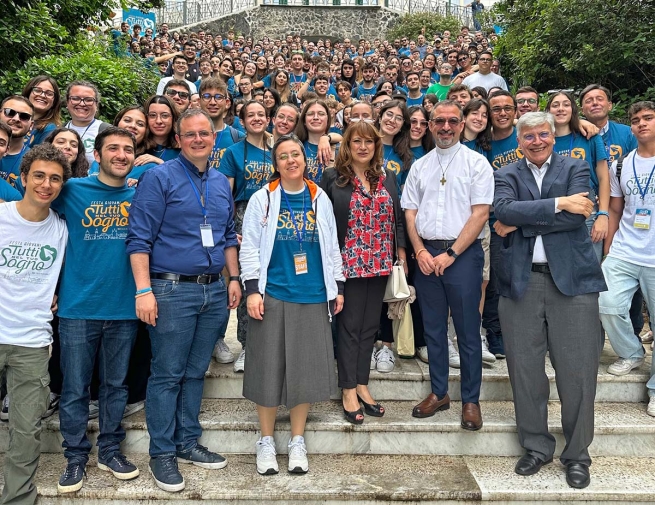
x=428, y=23
x=571, y=43
x=121, y=80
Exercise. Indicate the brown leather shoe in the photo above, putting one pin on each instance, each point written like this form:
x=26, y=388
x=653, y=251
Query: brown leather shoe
x=471, y=417
x=431, y=405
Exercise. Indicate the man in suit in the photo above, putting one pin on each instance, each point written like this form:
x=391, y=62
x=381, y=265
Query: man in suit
x=549, y=280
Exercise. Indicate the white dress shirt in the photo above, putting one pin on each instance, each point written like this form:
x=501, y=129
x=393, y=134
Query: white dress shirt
x=539, y=254
x=444, y=209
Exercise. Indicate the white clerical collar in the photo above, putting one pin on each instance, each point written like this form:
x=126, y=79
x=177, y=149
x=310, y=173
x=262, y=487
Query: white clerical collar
x=451, y=150
x=544, y=167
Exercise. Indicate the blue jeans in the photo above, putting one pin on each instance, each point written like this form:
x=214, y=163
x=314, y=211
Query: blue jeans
x=80, y=340
x=623, y=279
x=190, y=318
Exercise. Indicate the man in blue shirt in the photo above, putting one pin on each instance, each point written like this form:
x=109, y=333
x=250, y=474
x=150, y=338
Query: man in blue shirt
x=181, y=235
x=18, y=113
x=95, y=315
x=7, y=192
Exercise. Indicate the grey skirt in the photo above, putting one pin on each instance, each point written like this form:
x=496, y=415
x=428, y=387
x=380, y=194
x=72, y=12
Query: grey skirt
x=289, y=355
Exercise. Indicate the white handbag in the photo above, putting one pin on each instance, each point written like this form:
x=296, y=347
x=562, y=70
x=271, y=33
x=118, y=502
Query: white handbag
x=397, y=287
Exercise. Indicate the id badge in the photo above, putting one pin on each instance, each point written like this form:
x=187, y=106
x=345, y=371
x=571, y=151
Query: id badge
x=300, y=263
x=207, y=235
x=642, y=219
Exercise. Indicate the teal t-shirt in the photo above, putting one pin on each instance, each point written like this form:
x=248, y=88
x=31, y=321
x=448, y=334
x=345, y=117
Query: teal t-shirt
x=283, y=283
x=223, y=141
x=314, y=168
x=10, y=167
x=36, y=137
x=96, y=280
x=391, y=161
x=473, y=145
x=8, y=193
x=418, y=151
x=415, y=101
x=505, y=151
x=165, y=153
x=577, y=146
x=249, y=166
x=618, y=140
x=137, y=170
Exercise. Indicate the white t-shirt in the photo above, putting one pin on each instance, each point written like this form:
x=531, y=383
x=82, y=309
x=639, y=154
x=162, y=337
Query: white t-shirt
x=164, y=80
x=631, y=243
x=31, y=255
x=88, y=135
x=487, y=81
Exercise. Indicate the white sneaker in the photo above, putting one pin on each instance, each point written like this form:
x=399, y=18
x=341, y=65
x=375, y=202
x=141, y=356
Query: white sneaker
x=298, y=455
x=374, y=359
x=240, y=363
x=646, y=336
x=386, y=360
x=487, y=356
x=94, y=409
x=422, y=353
x=4, y=413
x=651, y=407
x=453, y=355
x=266, y=460
x=133, y=408
x=623, y=366
x=222, y=352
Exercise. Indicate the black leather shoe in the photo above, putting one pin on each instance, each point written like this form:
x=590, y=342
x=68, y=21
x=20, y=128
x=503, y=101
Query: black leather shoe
x=354, y=417
x=577, y=475
x=529, y=464
x=372, y=409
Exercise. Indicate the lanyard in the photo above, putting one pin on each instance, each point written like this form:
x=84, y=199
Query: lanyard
x=643, y=192
x=608, y=144
x=197, y=193
x=218, y=144
x=313, y=154
x=87, y=128
x=297, y=230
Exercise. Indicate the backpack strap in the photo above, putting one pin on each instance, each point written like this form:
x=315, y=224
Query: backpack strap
x=619, y=167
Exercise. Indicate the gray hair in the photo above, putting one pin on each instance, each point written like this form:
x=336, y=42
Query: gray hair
x=532, y=119
x=189, y=113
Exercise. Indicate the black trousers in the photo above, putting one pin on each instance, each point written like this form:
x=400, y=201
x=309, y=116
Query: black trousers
x=358, y=325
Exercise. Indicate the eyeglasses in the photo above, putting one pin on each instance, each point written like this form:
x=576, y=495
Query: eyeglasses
x=39, y=178
x=522, y=101
x=173, y=93
x=484, y=59
x=463, y=58
x=164, y=116
x=204, y=134
x=319, y=113
x=542, y=135
x=217, y=96
x=452, y=122
x=508, y=109
x=390, y=116
x=45, y=92
x=416, y=122
x=88, y=100
x=364, y=119
x=10, y=113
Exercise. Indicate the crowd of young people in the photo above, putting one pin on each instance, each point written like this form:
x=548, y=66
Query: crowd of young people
x=300, y=172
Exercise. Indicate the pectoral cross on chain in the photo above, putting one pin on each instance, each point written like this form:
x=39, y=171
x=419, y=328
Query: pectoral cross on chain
x=443, y=180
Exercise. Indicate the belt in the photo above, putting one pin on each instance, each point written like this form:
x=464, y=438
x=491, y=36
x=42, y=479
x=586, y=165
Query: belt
x=442, y=244
x=541, y=268
x=199, y=279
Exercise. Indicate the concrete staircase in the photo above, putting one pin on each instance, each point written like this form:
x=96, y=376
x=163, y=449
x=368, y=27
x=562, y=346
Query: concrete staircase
x=392, y=459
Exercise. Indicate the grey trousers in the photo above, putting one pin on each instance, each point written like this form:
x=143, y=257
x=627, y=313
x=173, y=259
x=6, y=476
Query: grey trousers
x=569, y=328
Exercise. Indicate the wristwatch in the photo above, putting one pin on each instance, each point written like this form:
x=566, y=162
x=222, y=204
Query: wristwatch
x=452, y=253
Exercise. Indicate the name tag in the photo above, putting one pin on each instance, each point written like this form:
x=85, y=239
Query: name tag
x=300, y=263
x=642, y=219
x=206, y=235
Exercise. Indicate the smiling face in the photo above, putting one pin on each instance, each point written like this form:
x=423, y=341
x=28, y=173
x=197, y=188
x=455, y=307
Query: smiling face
x=391, y=121
x=536, y=143
x=316, y=119
x=196, y=139
x=362, y=150
x=68, y=144
x=116, y=158
x=596, y=106
x=285, y=120
x=160, y=119
x=134, y=121
x=446, y=125
x=289, y=162
x=19, y=127
x=42, y=194
x=42, y=97
x=503, y=112
x=476, y=121
x=82, y=111
x=255, y=119
x=561, y=108
x=418, y=125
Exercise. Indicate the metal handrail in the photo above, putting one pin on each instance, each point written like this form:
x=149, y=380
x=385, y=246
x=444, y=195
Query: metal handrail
x=187, y=12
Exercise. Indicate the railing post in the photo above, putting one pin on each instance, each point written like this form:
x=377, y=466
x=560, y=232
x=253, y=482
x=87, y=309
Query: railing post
x=184, y=13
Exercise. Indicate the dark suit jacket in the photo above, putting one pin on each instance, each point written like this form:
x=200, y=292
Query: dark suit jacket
x=518, y=202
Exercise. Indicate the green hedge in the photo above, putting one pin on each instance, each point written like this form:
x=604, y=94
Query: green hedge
x=410, y=25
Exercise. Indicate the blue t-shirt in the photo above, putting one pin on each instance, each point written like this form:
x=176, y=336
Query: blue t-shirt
x=296, y=81
x=618, y=141
x=364, y=94
x=505, y=151
x=97, y=219
x=415, y=101
x=336, y=129
x=473, y=145
x=10, y=166
x=164, y=153
x=577, y=146
x=418, y=151
x=249, y=166
x=36, y=137
x=283, y=283
x=391, y=161
x=236, y=124
x=314, y=168
x=9, y=193
x=223, y=141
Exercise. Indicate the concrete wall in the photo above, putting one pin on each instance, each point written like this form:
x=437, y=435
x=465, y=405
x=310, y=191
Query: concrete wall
x=276, y=21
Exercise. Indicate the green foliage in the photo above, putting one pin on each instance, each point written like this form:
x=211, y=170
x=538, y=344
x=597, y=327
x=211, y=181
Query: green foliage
x=571, y=43
x=121, y=80
x=412, y=25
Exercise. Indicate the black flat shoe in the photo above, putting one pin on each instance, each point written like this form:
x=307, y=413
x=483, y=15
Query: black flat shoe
x=577, y=475
x=530, y=464
x=351, y=417
x=372, y=409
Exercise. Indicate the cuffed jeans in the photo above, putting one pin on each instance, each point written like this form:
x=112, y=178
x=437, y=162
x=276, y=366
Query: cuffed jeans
x=27, y=386
x=188, y=326
x=80, y=341
x=623, y=279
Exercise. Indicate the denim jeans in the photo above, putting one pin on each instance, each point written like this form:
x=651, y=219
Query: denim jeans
x=190, y=317
x=623, y=279
x=81, y=341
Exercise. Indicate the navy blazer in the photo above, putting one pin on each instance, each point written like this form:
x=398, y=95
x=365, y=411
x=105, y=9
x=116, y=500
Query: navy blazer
x=518, y=202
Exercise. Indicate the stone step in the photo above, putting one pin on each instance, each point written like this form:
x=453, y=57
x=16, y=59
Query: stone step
x=361, y=480
x=231, y=426
x=410, y=380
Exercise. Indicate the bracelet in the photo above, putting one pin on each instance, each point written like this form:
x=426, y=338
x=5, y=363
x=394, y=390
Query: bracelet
x=417, y=254
x=328, y=136
x=235, y=278
x=143, y=294
x=603, y=213
x=143, y=291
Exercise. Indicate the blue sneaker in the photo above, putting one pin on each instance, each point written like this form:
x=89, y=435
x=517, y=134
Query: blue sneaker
x=496, y=346
x=166, y=474
x=73, y=478
x=202, y=457
x=119, y=465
